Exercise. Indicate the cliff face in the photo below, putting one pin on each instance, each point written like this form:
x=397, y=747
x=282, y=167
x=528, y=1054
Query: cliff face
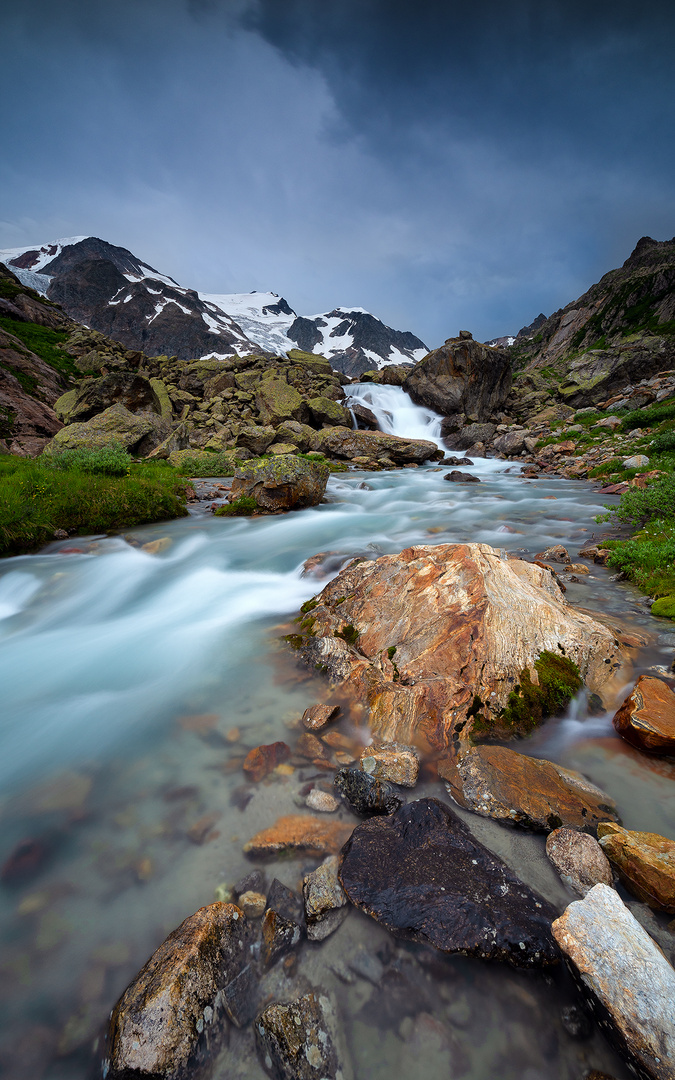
x=620, y=331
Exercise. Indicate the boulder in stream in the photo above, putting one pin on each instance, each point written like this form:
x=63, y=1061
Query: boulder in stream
x=449, y=640
x=645, y=863
x=301, y=1040
x=646, y=718
x=421, y=874
x=497, y=782
x=372, y=445
x=170, y=1015
x=281, y=483
x=366, y=794
x=626, y=978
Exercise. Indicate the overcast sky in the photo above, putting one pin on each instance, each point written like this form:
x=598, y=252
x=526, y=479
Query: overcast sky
x=446, y=165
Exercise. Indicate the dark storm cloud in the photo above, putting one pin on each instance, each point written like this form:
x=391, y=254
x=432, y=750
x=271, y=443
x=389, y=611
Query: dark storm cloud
x=439, y=163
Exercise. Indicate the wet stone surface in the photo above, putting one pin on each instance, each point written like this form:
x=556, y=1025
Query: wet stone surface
x=366, y=794
x=298, y=1041
x=420, y=873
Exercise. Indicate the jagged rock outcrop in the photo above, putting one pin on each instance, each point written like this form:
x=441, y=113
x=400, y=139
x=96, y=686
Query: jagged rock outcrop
x=621, y=331
x=462, y=376
x=439, y=641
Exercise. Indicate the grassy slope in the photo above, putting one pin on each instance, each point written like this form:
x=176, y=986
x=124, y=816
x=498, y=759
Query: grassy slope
x=35, y=500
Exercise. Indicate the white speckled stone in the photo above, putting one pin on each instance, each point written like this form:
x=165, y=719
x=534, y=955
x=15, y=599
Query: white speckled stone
x=627, y=973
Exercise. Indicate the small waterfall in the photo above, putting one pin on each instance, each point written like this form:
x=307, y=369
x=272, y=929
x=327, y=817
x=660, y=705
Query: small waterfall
x=396, y=413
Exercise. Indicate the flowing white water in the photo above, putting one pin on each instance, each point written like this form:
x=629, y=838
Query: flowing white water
x=134, y=684
x=396, y=413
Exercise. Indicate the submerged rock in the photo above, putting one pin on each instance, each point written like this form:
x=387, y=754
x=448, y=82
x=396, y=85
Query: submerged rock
x=169, y=1014
x=366, y=794
x=579, y=859
x=300, y=1041
x=442, y=640
x=646, y=718
x=278, y=936
x=645, y=863
x=318, y=716
x=281, y=483
x=262, y=760
x=625, y=975
x=325, y=900
x=392, y=761
x=497, y=782
x=299, y=833
x=422, y=875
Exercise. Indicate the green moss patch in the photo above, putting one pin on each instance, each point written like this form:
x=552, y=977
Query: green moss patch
x=664, y=607
x=241, y=507
x=529, y=704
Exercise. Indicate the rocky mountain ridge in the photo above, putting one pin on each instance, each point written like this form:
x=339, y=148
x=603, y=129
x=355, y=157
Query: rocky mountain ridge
x=109, y=289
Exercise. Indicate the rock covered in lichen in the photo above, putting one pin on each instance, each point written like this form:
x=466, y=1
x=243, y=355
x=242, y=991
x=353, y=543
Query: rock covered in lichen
x=282, y=482
x=325, y=900
x=299, y=1041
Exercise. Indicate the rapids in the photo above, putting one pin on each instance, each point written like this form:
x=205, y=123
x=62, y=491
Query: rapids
x=132, y=686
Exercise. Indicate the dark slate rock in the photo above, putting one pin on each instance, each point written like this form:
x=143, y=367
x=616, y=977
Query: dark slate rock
x=240, y=996
x=452, y=460
x=458, y=477
x=253, y=882
x=285, y=902
x=364, y=793
x=421, y=874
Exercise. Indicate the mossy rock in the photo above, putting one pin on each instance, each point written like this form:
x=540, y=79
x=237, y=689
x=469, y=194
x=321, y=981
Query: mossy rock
x=277, y=401
x=283, y=482
x=326, y=411
x=319, y=364
x=664, y=607
x=115, y=425
x=529, y=703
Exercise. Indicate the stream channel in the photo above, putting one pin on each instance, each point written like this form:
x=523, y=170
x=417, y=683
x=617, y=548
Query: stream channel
x=132, y=686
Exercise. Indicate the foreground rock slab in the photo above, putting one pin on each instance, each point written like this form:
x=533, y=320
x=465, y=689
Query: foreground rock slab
x=579, y=860
x=437, y=638
x=281, y=483
x=645, y=863
x=300, y=1041
x=422, y=875
x=168, y=1016
x=627, y=977
x=497, y=782
x=646, y=719
x=299, y=833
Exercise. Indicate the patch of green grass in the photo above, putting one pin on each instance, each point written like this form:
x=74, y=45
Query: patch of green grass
x=241, y=507
x=217, y=464
x=36, y=499
x=44, y=343
x=650, y=416
x=648, y=558
x=111, y=460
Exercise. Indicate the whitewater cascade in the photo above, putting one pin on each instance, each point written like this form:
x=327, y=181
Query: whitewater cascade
x=396, y=413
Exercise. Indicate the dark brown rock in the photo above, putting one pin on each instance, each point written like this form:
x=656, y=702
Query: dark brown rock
x=318, y=716
x=462, y=376
x=530, y=792
x=278, y=935
x=366, y=794
x=646, y=719
x=168, y=1017
x=422, y=875
x=457, y=477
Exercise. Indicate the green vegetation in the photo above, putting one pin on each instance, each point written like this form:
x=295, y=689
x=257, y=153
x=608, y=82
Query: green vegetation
x=348, y=633
x=309, y=605
x=663, y=444
x=43, y=342
x=241, y=507
x=528, y=704
x=648, y=557
x=649, y=417
x=111, y=460
x=206, y=463
x=37, y=497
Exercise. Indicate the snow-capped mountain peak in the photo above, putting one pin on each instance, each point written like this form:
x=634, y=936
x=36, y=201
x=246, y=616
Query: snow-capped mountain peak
x=111, y=290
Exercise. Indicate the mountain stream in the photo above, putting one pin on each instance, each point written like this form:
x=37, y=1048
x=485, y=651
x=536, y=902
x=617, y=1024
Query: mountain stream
x=133, y=684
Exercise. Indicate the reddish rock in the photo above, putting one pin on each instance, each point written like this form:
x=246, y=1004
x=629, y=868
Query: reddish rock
x=647, y=717
x=645, y=863
x=261, y=761
x=299, y=833
x=309, y=746
x=433, y=636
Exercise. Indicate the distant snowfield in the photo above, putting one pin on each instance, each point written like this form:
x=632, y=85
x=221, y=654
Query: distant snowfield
x=257, y=318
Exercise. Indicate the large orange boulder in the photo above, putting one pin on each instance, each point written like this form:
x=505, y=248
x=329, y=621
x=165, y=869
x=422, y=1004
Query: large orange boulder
x=442, y=641
x=645, y=863
x=647, y=717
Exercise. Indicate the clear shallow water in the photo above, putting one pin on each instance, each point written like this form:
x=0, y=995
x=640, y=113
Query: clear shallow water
x=132, y=687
